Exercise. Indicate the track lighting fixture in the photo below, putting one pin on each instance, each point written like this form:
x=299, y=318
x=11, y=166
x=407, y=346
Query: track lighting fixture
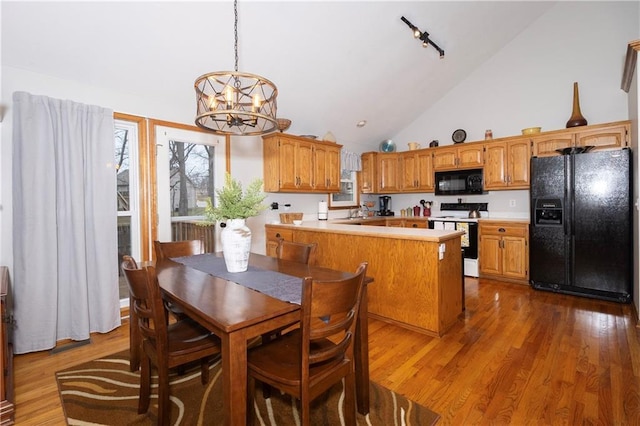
x=422, y=36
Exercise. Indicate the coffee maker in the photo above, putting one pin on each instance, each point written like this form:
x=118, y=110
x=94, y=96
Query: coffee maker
x=385, y=206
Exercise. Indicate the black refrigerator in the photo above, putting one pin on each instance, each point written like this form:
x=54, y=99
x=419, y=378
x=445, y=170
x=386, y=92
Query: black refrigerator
x=581, y=224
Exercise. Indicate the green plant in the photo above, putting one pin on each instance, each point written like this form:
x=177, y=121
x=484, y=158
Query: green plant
x=233, y=203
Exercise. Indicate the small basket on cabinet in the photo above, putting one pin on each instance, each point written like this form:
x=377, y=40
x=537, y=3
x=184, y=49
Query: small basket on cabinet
x=288, y=218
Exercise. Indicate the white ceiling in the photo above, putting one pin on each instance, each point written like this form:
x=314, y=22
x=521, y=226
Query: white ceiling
x=334, y=62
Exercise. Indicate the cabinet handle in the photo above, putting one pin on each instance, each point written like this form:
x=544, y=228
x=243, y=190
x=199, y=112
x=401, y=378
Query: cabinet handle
x=278, y=235
x=415, y=225
x=502, y=230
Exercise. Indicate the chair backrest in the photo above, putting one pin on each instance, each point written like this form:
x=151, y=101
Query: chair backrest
x=329, y=310
x=296, y=252
x=169, y=249
x=147, y=301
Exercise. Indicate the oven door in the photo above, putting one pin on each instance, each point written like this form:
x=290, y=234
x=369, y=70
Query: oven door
x=469, y=241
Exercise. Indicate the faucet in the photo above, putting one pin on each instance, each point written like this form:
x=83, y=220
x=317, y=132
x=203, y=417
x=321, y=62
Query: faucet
x=354, y=213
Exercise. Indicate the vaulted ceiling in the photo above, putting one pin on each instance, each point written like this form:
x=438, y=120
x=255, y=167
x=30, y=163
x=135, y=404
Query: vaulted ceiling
x=334, y=62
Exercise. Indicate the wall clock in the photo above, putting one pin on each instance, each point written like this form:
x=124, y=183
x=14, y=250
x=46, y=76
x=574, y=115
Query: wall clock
x=387, y=146
x=459, y=136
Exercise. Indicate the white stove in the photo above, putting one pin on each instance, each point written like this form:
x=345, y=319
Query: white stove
x=456, y=217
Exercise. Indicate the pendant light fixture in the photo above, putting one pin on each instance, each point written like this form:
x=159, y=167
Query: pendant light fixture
x=235, y=103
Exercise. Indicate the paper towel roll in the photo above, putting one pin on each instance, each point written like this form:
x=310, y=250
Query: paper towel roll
x=323, y=210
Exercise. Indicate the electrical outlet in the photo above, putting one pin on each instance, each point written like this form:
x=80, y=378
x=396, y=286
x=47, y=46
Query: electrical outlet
x=512, y=203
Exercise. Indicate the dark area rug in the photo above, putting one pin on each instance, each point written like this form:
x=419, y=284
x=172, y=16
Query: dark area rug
x=105, y=392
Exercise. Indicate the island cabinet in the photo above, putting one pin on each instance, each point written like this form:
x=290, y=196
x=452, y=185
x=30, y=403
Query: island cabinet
x=416, y=171
x=601, y=136
x=413, y=285
x=506, y=164
x=297, y=164
x=273, y=236
x=504, y=250
x=368, y=175
x=458, y=156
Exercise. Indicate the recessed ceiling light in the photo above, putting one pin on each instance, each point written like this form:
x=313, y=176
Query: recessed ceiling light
x=361, y=123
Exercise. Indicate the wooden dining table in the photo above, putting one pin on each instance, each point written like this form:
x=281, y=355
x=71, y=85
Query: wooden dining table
x=238, y=314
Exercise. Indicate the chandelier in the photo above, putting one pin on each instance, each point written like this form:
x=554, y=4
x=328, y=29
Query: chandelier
x=235, y=103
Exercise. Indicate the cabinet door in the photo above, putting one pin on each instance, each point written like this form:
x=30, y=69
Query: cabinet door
x=409, y=180
x=470, y=156
x=321, y=174
x=424, y=171
x=614, y=137
x=445, y=158
x=368, y=173
x=545, y=146
x=514, y=257
x=287, y=164
x=495, y=167
x=304, y=165
x=389, y=170
x=409, y=223
x=490, y=255
x=518, y=164
x=333, y=169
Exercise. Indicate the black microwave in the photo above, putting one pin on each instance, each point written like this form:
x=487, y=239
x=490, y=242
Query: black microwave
x=459, y=182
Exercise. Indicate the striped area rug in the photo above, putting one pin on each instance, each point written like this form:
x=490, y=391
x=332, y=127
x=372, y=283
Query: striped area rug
x=105, y=392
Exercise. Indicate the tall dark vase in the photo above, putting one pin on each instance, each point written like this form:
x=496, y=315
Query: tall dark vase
x=576, y=116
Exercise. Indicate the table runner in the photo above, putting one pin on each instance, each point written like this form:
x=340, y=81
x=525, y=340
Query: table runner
x=275, y=284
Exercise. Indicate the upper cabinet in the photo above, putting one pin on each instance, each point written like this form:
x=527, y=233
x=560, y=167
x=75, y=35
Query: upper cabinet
x=601, y=136
x=416, y=171
x=506, y=164
x=297, y=164
x=460, y=156
x=388, y=173
x=369, y=174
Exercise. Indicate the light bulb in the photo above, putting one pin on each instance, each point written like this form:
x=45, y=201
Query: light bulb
x=228, y=96
x=425, y=44
x=416, y=33
x=213, y=102
x=257, y=102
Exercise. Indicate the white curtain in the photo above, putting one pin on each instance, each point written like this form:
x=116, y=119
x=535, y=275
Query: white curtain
x=65, y=218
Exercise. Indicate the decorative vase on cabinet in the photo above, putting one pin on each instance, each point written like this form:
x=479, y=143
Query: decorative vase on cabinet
x=576, y=116
x=236, y=245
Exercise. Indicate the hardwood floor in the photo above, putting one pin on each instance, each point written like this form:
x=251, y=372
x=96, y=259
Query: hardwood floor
x=518, y=356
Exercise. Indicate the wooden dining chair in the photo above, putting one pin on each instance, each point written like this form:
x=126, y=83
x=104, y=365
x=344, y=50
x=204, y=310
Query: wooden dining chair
x=307, y=361
x=166, y=346
x=296, y=252
x=169, y=249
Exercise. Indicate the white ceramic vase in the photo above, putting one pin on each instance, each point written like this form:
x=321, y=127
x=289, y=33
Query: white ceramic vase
x=236, y=245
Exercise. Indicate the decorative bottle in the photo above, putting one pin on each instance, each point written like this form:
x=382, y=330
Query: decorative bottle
x=576, y=116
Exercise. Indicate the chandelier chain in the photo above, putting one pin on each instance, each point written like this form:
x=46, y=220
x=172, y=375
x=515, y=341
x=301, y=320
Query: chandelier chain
x=235, y=31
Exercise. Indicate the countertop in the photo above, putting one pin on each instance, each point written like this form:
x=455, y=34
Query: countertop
x=346, y=226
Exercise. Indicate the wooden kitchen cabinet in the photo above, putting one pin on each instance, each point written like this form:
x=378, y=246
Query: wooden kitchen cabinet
x=368, y=175
x=297, y=164
x=504, y=250
x=327, y=168
x=273, y=235
x=415, y=223
x=507, y=164
x=601, y=136
x=7, y=408
x=416, y=171
x=388, y=166
x=458, y=157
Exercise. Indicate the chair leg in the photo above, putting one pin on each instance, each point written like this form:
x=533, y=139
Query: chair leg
x=350, y=399
x=305, y=408
x=145, y=384
x=164, y=412
x=204, y=371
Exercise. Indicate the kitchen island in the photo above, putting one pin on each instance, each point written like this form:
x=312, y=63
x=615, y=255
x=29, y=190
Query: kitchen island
x=417, y=272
